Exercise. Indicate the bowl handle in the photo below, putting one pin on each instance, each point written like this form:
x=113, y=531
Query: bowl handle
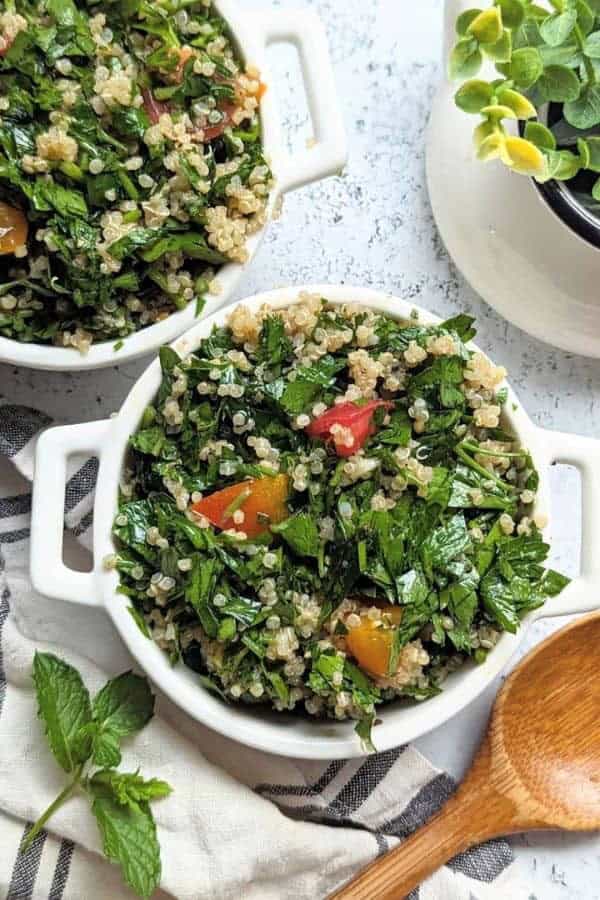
x=49, y=574
x=583, y=593
x=328, y=156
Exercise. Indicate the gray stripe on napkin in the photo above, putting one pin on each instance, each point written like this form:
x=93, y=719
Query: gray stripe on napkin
x=4, y=610
x=61, y=872
x=81, y=484
x=484, y=862
x=84, y=524
x=26, y=867
x=15, y=506
x=304, y=790
x=18, y=424
x=363, y=783
x=422, y=806
x=350, y=798
x=11, y=537
x=382, y=845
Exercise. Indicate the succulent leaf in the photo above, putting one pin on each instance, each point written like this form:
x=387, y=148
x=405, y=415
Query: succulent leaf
x=526, y=66
x=513, y=12
x=557, y=28
x=520, y=105
x=500, y=51
x=523, y=157
x=491, y=147
x=558, y=84
x=465, y=59
x=464, y=20
x=539, y=135
x=473, y=95
x=486, y=28
x=497, y=111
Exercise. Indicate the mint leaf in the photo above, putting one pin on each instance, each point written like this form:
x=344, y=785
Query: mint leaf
x=130, y=788
x=301, y=533
x=123, y=706
x=106, y=750
x=64, y=706
x=128, y=837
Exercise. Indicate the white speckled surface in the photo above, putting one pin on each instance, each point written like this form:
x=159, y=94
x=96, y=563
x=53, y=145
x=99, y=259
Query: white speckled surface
x=373, y=226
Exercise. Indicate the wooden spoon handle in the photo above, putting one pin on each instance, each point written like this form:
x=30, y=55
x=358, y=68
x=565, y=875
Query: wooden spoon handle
x=392, y=877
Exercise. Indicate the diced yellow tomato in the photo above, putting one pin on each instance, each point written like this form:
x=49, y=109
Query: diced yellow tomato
x=262, y=500
x=370, y=645
x=13, y=228
x=184, y=53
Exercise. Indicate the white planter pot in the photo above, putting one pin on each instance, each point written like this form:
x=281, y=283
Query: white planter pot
x=507, y=241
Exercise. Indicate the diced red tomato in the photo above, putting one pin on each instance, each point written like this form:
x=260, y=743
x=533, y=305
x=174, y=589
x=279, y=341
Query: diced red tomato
x=154, y=108
x=212, y=132
x=370, y=645
x=262, y=500
x=13, y=228
x=6, y=45
x=357, y=419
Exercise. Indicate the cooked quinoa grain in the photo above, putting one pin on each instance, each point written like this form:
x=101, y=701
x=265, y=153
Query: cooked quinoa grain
x=307, y=535
x=131, y=147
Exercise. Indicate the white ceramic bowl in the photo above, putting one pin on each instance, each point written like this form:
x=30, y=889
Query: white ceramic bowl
x=253, y=31
x=277, y=733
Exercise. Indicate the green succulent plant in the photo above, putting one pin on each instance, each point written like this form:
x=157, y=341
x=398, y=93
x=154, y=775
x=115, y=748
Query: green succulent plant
x=542, y=55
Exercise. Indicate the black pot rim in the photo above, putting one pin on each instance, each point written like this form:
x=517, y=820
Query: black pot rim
x=564, y=205
x=571, y=213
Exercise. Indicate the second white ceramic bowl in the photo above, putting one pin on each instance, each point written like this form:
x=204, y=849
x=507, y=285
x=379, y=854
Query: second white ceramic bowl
x=254, y=32
x=277, y=733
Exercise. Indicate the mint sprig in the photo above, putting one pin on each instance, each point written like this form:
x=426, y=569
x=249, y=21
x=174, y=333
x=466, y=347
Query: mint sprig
x=84, y=734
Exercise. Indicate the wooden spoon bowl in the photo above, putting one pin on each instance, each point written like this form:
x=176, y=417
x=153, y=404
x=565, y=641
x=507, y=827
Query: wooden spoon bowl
x=537, y=768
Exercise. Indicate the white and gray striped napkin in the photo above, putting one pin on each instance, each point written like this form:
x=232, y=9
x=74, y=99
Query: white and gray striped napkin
x=240, y=823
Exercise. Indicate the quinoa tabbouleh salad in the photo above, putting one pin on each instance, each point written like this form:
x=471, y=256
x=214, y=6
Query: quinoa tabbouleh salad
x=131, y=164
x=322, y=510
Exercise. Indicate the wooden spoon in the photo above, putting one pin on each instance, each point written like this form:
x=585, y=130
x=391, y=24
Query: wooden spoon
x=538, y=766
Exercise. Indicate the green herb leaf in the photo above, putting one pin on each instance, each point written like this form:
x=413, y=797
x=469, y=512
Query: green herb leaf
x=129, y=788
x=64, y=707
x=128, y=837
x=300, y=532
x=364, y=729
x=123, y=706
